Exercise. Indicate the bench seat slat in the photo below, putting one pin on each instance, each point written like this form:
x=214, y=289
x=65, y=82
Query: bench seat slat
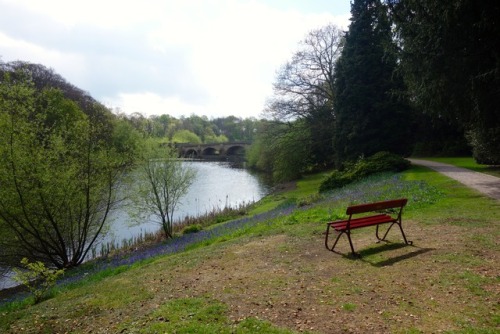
x=362, y=222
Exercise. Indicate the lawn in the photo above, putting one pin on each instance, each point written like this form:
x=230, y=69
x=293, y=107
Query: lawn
x=274, y=275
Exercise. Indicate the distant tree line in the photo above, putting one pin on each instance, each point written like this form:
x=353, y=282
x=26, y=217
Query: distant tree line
x=408, y=77
x=193, y=128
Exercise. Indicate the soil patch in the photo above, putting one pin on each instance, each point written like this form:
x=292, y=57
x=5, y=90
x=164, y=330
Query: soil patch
x=294, y=282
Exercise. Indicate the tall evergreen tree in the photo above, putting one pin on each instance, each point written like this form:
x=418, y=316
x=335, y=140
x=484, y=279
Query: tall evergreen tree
x=370, y=115
x=451, y=63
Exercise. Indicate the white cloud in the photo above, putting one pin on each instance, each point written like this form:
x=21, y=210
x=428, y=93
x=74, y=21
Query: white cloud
x=208, y=57
x=151, y=104
x=64, y=62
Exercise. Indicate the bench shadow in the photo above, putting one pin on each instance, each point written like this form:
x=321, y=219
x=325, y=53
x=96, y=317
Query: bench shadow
x=390, y=246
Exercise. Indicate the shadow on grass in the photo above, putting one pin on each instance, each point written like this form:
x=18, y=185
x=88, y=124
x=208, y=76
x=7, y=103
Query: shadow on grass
x=361, y=255
x=393, y=260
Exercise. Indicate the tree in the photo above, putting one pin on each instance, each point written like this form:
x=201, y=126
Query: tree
x=235, y=128
x=43, y=77
x=370, y=115
x=306, y=83
x=58, y=174
x=303, y=96
x=185, y=136
x=165, y=180
x=450, y=62
x=282, y=150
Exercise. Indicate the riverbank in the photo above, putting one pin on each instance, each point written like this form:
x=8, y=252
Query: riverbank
x=273, y=274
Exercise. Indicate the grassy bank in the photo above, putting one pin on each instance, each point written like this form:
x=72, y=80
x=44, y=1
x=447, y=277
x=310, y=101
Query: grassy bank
x=270, y=273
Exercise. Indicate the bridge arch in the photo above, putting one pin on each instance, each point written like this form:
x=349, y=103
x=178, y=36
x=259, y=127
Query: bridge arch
x=214, y=151
x=190, y=153
x=210, y=151
x=238, y=150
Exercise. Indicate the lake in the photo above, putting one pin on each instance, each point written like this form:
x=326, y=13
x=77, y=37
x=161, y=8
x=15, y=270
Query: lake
x=217, y=185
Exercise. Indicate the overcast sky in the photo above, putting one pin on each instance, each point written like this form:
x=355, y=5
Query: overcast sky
x=178, y=57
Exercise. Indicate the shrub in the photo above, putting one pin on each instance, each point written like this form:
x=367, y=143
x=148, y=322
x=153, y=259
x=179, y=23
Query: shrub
x=192, y=229
x=337, y=179
x=377, y=163
x=385, y=162
x=37, y=278
x=485, y=145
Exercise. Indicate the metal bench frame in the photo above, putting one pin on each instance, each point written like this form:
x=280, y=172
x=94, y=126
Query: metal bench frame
x=347, y=225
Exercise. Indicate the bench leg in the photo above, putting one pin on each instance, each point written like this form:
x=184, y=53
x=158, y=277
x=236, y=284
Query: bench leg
x=350, y=243
x=386, y=232
x=403, y=233
x=326, y=238
x=348, y=233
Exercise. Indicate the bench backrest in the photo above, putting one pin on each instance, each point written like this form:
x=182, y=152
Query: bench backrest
x=376, y=206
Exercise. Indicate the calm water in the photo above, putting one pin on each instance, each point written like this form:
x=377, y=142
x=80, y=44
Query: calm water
x=217, y=185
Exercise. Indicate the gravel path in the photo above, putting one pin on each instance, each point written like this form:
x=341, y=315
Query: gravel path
x=484, y=183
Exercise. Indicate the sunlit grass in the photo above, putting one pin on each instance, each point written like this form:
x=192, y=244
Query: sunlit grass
x=304, y=190
x=458, y=204
x=200, y=315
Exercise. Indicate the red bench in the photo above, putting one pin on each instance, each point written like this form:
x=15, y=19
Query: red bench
x=347, y=225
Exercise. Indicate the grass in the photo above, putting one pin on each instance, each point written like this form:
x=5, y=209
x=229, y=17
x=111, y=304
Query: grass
x=270, y=273
x=200, y=315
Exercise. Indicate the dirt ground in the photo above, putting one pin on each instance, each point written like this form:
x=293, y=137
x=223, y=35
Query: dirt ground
x=295, y=283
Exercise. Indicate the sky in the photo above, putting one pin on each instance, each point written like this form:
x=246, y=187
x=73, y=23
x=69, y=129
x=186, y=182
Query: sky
x=211, y=58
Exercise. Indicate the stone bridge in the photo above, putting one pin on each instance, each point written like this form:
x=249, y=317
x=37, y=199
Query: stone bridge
x=216, y=151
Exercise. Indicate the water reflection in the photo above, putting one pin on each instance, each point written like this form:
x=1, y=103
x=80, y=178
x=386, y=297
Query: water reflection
x=217, y=185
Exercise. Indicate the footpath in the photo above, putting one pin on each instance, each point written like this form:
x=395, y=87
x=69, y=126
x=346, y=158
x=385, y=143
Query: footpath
x=484, y=183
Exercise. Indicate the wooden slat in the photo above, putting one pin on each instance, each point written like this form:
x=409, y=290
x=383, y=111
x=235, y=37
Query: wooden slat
x=362, y=222
x=362, y=208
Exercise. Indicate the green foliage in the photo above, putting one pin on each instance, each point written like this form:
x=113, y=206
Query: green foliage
x=439, y=37
x=164, y=180
x=291, y=154
x=258, y=156
x=37, y=278
x=235, y=128
x=370, y=115
x=212, y=138
x=363, y=167
x=283, y=150
x=186, y=136
x=485, y=143
x=192, y=229
x=435, y=137
x=126, y=140
x=337, y=179
x=58, y=171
